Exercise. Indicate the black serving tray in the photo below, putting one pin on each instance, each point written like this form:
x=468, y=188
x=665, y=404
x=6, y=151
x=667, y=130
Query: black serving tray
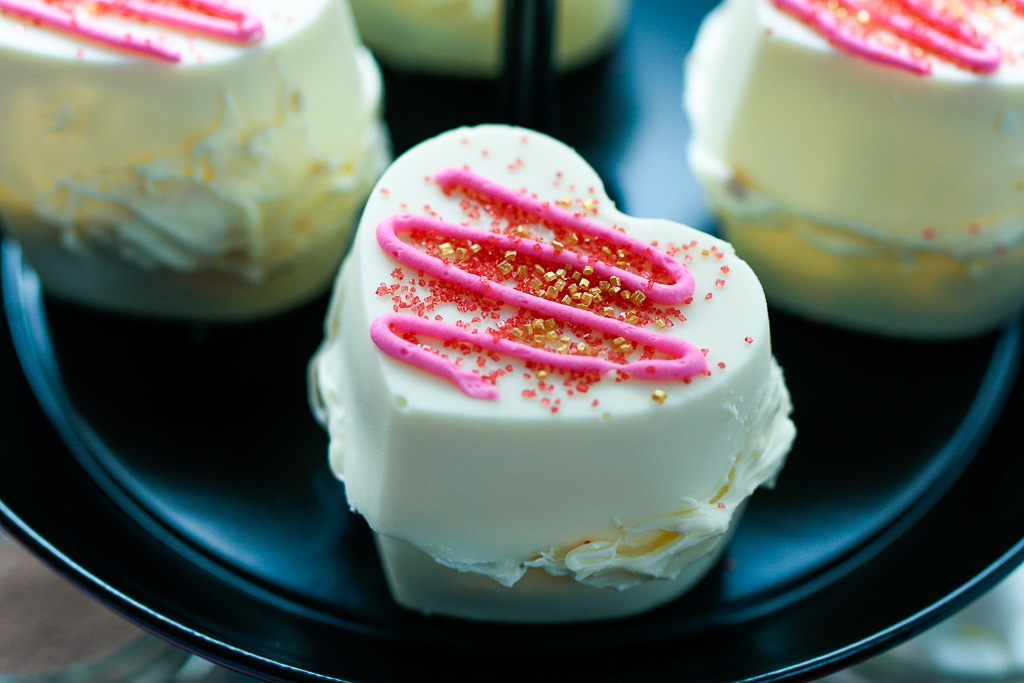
x=175, y=472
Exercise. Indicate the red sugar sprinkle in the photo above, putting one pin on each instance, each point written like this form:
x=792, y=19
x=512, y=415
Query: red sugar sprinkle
x=721, y=506
x=708, y=297
x=749, y=340
x=725, y=269
x=529, y=393
x=705, y=351
x=594, y=403
x=545, y=402
x=720, y=282
x=554, y=409
x=721, y=365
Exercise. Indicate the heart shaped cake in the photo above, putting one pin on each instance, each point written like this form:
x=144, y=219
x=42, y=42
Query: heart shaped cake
x=546, y=410
x=197, y=159
x=865, y=156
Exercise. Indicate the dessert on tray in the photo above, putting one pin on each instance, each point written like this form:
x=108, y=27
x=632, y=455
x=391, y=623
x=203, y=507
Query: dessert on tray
x=545, y=409
x=464, y=37
x=195, y=159
x=865, y=156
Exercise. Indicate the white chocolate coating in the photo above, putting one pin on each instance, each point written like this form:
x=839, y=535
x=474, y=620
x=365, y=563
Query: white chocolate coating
x=464, y=37
x=862, y=194
x=604, y=487
x=221, y=187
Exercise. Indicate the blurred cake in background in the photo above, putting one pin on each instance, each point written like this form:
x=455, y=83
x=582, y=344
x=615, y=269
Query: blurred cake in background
x=866, y=157
x=464, y=38
x=186, y=159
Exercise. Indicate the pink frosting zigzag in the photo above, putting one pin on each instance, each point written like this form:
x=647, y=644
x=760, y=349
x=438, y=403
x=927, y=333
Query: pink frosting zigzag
x=687, y=359
x=919, y=22
x=211, y=18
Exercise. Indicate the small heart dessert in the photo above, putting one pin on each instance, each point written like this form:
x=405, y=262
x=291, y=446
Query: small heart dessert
x=186, y=159
x=864, y=156
x=546, y=410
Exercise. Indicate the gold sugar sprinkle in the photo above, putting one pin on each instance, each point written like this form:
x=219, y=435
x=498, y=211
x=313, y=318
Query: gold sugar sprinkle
x=446, y=249
x=550, y=324
x=638, y=297
x=552, y=336
x=542, y=374
x=557, y=246
x=475, y=248
x=461, y=253
x=659, y=396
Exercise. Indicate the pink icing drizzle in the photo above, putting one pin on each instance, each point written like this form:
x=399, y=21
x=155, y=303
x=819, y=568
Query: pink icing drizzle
x=215, y=19
x=688, y=359
x=920, y=23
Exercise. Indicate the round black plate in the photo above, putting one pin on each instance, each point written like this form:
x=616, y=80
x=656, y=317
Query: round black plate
x=175, y=470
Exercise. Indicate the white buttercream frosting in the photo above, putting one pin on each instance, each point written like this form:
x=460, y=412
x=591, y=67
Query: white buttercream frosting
x=605, y=484
x=239, y=161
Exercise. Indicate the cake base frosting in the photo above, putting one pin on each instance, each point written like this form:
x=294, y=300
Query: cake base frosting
x=223, y=186
x=483, y=422
x=864, y=194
